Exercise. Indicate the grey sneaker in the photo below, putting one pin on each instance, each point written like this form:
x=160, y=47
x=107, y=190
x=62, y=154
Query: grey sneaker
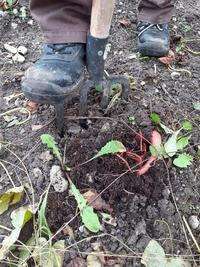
x=153, y=39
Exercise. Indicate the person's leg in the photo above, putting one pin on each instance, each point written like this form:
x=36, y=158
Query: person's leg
x=153, y=29
x=155, y=11
x=62, y=21
x=60, y=69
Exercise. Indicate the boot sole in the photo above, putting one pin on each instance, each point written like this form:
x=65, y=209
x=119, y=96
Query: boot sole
x=157, y=49
x=28, y=88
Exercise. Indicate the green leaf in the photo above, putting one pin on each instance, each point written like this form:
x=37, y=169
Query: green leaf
x=197, y=106
x=10, y=197
x=183, y=160
x=8, y=242
x=177, y=262
x=47, y=255
x=187, y=125
x=10, y=3
x=154, y=255
x=183, y=142
x=43, y=224
x=171, y=144
x=155, y=118
x=49, y=140
x=106, y=216
x=20, y=217
x=89, y=217
x=112, y=147
x=25, y=251
x=166, y=129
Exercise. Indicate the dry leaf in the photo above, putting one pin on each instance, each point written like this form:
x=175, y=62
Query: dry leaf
x=125, y=22
x=32, y=106
x=99, y=203
x=77, y=262
x=68, y=231
x=168, y=60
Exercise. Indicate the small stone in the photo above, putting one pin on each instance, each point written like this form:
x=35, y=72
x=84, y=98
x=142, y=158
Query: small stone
x=57, y=179
x=140, y=228
x=175, y=75
x=166, y=193
x=105, y=127
x=18, y=58
x=194, y=222
x=14, y=25
x=30, y=22
x=10, y=48
x=22, y=50
x=37, y=172
x=74, y=129
x=46, y=156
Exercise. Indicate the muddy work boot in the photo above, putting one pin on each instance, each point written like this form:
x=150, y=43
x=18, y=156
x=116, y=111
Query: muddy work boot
x=153, y=39
x=56, y=75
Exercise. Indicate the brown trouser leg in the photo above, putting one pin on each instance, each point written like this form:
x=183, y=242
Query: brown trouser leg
x=62, y=21
x=155, y=11
x=65, y=21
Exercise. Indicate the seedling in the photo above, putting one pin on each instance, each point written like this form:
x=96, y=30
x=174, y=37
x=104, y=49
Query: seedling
x=176, y=143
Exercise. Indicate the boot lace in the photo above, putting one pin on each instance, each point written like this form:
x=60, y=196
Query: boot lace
x=144, y=28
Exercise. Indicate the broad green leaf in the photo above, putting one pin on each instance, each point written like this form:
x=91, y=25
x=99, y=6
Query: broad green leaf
x=20, y=217
x=183, y=161
x=154, y=255
x=171, y=144
x=25, y=251
x=8, y=242
x=49, y=140
x=196, y=106
x=155, y=118
x=43, y=224
x=89, y=217
x=183, y=142
x=10, y=197
x=47, y=255
x=187, y=125
x=166, y=129
x=112, y=147
x=59, y=251
x=177, y=262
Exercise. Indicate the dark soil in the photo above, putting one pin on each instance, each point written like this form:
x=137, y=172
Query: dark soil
x=144, y=207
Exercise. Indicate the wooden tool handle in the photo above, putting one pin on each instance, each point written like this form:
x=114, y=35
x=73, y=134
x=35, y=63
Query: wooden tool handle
x=102, y=12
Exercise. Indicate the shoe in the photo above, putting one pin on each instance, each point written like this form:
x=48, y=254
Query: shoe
x=57, y=74
x=153, y=39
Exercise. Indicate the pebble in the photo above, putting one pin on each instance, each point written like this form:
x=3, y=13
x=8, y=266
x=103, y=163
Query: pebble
x=18, y=58
x=105, y=127
x=10, y=48
x=175, y=75
x=57, y=179
x=74, y=129
x=37, y=172
x=14, y=25
x=194, y=221
x=46, y=156
x=140, y=228
x=166, y=193
x=22, y=50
